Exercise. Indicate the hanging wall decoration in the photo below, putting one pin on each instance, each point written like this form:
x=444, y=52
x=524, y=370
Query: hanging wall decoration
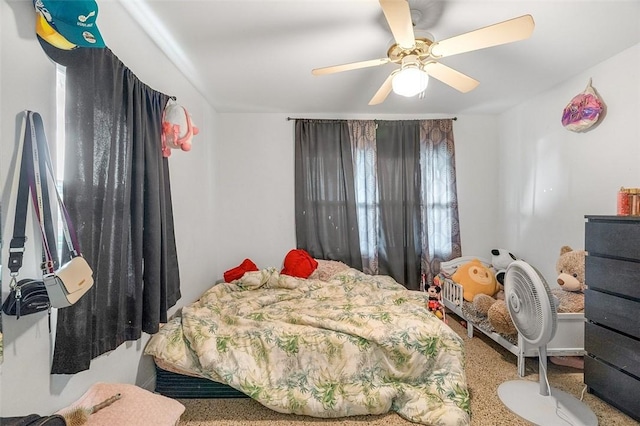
x=584, y=111
x=177, y=128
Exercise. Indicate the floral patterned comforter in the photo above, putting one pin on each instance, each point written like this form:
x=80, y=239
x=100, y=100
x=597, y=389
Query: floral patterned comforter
x=355, y=344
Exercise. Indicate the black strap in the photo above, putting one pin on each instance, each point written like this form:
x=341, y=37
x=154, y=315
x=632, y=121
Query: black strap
x=34, y=169
x=29, y=177
x=16, y=246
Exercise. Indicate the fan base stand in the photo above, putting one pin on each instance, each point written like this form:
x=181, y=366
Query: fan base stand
x=523, y=398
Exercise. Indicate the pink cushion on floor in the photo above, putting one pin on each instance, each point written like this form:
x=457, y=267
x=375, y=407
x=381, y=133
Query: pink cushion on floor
x=137, y=406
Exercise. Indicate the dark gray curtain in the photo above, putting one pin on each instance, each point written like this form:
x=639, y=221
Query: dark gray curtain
x=326, y=221
x=399, y=184
x=116, y=188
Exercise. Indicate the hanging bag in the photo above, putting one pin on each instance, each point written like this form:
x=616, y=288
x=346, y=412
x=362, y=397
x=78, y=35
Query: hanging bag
x=26, y=296
x=72, y=280
x=61, y=287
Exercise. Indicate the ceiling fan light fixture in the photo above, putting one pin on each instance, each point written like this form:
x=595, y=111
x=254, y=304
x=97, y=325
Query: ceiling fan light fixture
x=410, y=81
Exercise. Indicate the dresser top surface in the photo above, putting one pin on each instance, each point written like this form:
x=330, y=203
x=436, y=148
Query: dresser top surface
x=611, y=218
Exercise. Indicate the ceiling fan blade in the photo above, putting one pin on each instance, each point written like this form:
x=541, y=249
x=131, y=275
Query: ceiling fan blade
x=350, y=66
x=461, y=82
x=501, y=33
x=382, y=92
x=398, y=16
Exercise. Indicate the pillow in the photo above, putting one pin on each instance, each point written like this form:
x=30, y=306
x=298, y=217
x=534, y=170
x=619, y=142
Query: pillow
x=136, y=407
x=328, y=268
x=298, y=263
x=236, y=273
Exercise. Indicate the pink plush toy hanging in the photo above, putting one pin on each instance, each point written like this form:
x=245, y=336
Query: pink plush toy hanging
x=583, y=111
x=177, y=128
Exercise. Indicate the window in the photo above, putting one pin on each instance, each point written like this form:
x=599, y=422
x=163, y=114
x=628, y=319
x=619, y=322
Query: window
x=404, y=202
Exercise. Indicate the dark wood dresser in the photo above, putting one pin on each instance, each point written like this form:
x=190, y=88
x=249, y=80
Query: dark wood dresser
x=612, y=309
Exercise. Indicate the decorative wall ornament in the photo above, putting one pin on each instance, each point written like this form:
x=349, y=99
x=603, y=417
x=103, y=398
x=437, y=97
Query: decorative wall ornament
x=583, y=111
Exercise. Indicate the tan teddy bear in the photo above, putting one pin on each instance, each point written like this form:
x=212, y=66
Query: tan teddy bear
x=570, y=296
x=570, y=268
x=496, y=312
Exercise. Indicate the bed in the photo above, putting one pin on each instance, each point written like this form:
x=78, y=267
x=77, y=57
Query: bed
x=347, y=344
x=568, y=340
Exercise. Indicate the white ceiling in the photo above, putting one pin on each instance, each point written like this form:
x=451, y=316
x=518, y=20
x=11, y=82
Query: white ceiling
x=257, y=55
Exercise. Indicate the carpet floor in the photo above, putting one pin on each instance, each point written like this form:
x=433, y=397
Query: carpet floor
x=488, y=365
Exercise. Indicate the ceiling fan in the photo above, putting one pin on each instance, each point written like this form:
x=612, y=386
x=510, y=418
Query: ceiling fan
x=418, y=53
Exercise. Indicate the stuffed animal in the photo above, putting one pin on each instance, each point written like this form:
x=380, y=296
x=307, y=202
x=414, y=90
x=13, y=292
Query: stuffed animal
x=496, y=312
x=500, y=260
x=435, y=304
x=500, y=319
x=178, y=128
x=475, y=278
x=570, y=268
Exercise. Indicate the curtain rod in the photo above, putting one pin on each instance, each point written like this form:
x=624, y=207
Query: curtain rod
x=293, y=118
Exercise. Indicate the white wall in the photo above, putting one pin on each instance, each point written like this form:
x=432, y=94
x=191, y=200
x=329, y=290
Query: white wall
x=28, y=82
x=551, y=178
x=255, y=192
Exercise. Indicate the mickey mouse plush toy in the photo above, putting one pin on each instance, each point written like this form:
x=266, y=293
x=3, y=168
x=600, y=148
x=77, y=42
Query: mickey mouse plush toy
x=435, y=301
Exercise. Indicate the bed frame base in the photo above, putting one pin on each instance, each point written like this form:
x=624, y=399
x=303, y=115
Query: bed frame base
x=175, y=385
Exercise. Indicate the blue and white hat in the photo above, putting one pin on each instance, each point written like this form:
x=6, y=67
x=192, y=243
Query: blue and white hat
x=75, y=20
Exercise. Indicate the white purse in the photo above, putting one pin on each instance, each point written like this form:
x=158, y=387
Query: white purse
x=69, y=283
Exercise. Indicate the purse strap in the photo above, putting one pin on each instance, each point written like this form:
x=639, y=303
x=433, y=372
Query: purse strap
x=40, y=197
x=42, y=157
x=26, y=178
x=19, y=239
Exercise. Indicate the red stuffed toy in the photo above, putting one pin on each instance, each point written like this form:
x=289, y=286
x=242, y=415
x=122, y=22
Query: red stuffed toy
x=238, y=272
x=299, y=263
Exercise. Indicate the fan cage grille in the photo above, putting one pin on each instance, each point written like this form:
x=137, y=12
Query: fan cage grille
x=530, y=303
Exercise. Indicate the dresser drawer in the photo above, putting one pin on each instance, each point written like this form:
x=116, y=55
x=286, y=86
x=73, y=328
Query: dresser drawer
x=613, y=312
x=615, y=387
x=616, y=239
x=616, y=349
x=612, y=275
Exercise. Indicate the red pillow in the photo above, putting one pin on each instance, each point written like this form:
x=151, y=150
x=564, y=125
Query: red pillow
x=299, y=263
x=237, y=272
